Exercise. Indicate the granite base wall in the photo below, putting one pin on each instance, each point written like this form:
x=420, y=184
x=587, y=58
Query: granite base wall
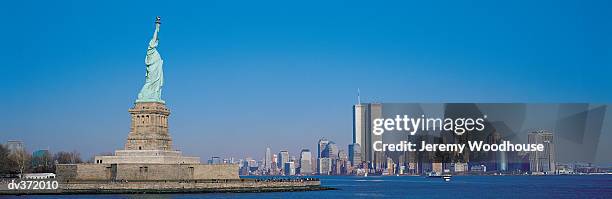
x=119, y=172
x=183, y=185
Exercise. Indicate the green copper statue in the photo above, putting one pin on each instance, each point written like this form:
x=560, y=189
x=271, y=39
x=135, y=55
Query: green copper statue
x=151, y=91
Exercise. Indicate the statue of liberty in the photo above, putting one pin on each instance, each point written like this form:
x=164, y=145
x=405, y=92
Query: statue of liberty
x=151, y=91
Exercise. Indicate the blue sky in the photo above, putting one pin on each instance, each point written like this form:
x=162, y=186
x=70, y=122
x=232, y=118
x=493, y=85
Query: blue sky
x=243, y=75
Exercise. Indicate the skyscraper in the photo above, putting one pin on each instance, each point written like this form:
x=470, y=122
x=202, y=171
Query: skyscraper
x=360, y=131
x=215, y=160
x=322, y=144
x=289, y=168
x=15, y=146
x=283, y=157
x=342, y=155
x=363, y=115
x=542, y=161
x=324, y=166
x=320, y=148
x=268, y=159
x=354, y=153
x=341, y=163
x=305, y=162
x=331, y=151
x=274, y=161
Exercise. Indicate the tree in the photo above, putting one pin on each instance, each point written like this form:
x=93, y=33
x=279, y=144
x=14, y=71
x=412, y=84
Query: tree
x=63, y=157
x=5, y=161
x=21, y=160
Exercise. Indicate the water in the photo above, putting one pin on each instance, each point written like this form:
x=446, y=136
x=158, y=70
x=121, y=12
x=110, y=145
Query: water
x=595, y=186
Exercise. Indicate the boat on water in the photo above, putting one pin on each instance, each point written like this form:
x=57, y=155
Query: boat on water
x=446, y=177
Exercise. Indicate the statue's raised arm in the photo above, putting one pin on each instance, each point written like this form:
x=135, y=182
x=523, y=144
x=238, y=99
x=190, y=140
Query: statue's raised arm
x=151, y=91
x=154, y=40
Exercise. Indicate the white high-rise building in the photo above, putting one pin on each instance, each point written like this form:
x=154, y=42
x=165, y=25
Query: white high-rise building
x=363, y=115
x=360, y=129
x=274, y=161
x=542, y=161
x=268, y=159
x=325, y=166
x=331, y=151
x=342, y=155
x=305, y=162
x=15, y=146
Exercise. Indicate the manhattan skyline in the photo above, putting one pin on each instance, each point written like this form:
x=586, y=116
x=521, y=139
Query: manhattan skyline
x=244, y=76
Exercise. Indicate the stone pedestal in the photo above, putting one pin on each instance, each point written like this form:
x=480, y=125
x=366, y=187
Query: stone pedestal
x=149, y=128
x=148, y=155
x=148, y=141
